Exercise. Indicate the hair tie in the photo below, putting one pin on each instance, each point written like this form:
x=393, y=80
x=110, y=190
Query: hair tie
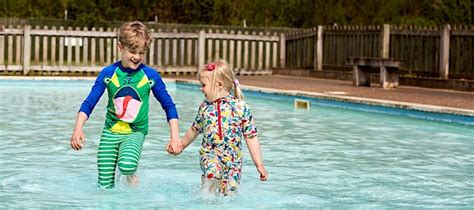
x=210, y=66
x=236, y=82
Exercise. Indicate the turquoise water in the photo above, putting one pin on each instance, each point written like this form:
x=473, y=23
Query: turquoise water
x=324, y=157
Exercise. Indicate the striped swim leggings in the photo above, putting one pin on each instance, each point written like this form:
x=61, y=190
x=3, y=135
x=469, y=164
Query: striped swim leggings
x=122, y=150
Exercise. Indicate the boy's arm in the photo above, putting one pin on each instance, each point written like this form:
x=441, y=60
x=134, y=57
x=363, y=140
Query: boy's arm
x=254, y=149
x=175, y=146
x=96, y=92
x=161, y=94
x=78, y=139
x=189, y=137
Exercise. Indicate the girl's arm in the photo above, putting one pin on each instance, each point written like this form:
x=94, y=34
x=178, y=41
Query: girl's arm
x=254, y=149
x=189, y=137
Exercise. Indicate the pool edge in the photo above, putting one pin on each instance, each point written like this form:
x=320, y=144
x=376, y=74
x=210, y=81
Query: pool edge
x=296, y=93
x=352, y=99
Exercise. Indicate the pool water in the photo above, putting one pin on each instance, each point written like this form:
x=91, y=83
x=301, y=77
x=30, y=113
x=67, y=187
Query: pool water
x=322, y=157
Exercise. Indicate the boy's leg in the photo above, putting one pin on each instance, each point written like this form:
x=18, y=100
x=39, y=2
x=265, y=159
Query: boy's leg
x=129, y=153
x=133, y=180
x=107, y=158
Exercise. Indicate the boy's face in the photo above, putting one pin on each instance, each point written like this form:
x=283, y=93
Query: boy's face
x=132, y=58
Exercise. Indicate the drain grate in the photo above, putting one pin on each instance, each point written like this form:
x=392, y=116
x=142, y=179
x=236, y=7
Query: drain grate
x=302, y=104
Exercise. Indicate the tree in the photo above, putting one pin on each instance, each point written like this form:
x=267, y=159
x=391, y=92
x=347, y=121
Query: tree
x=267, y=13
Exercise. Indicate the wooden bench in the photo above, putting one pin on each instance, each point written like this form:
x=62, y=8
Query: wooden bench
x=363, y=66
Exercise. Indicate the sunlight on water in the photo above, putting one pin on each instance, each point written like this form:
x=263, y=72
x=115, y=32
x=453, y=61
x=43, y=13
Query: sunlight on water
x=325, y=157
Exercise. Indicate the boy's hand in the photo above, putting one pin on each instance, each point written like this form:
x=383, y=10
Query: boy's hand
x=78, y=140
x=170, y=150
x=263, y=173
x=175, y=146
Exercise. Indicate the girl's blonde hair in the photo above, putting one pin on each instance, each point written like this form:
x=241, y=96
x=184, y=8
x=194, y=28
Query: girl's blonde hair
x=134, y=35
x=221, y=71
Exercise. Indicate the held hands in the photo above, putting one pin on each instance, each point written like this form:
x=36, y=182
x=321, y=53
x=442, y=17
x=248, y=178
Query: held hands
x=171, y=151
x=263, y=173
x=78, y=140
x=175, y=147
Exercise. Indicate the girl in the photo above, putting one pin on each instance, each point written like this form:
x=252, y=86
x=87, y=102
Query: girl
x=223, y=119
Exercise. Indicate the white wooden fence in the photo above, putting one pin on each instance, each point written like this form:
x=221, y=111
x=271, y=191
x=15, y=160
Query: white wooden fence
x=30, y=51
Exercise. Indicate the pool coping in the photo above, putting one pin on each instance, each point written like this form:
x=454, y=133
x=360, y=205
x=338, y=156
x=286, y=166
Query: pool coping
x=296, y=93
x=351, y=99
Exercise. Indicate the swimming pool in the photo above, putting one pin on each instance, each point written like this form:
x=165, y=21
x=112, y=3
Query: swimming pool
x=327, y=156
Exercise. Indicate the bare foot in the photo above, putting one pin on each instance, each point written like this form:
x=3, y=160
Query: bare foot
x=209, y=185
x=133, y=180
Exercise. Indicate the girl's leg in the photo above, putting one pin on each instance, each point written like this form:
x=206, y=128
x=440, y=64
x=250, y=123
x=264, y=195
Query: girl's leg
x=129, y=153
x=231, y=178
x=209, y=185
x=211, y=167
x=107, y=158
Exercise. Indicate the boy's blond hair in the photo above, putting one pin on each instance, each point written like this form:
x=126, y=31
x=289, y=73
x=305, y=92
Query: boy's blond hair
x=135, y=35
x=221, y=71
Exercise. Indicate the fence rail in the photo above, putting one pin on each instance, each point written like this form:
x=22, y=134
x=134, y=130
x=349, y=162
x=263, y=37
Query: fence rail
x=427, y=51
x=51, y=50
x=446, y=52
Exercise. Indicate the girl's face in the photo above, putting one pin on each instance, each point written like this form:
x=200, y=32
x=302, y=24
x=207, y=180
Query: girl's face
x=206, y=87
x=212, y=91
x=132, y=58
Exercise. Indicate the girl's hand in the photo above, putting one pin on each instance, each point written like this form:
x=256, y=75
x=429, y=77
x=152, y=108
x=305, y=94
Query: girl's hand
x=176, y=145
x=78, y=140
x=170, y=150
x=263, y=173
x=175, y=151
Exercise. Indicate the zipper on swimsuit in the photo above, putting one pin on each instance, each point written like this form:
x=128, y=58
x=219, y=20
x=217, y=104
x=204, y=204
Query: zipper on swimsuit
x=219, y=119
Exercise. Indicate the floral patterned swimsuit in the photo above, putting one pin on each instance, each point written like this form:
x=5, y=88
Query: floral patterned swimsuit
x=223, y=123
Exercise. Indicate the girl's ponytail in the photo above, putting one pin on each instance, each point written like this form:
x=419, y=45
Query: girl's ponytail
x=237, y=91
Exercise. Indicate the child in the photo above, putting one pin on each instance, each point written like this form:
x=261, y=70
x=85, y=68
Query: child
x=128, y=83
x=223, y=119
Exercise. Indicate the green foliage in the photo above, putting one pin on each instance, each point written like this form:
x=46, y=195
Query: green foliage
x=268, y=13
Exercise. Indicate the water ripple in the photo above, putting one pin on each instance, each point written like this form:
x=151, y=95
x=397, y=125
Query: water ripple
x=324, y=157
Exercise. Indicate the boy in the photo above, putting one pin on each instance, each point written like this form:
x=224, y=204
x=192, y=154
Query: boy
x=128, y=83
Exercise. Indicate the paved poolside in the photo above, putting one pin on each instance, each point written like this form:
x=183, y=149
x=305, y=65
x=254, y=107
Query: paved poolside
x=463, y=101
x=437, y=100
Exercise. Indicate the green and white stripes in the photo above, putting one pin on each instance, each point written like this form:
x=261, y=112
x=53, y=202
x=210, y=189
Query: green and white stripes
x=118, y=149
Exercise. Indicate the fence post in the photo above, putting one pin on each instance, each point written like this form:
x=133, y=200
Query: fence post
x=26, y=49
x=282, y=50
x=318, y=56
x=385, y=50
x=201, y=48
x=444, y=52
